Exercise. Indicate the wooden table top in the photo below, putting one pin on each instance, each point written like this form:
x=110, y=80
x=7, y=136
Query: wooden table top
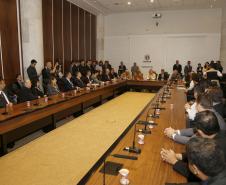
x=149, y=169
x=65, y=155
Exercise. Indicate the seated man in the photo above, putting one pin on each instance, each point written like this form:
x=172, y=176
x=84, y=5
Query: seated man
x=113, y=74
x=106, y=75
x=206, y=161
x=16, y=86
x=67, y=83
x=163, y=75
x=206, y=127
x=4, y=99
x=217, y=96
x=204, y=103
x=87, y=78
x=37, y=89
x=25, y=94
x=77, y=81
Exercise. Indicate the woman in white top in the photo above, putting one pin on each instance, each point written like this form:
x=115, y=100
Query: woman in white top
x=191, y=108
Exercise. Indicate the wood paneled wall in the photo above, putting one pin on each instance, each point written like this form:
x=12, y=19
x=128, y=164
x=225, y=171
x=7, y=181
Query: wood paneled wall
x=69, y=32
x=9, y=49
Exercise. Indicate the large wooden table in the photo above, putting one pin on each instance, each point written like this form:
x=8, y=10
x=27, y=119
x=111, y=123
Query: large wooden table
x=22, y=121
x=45, y=160
x=149, y=169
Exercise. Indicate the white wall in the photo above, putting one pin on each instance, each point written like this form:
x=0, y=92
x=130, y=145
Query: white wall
x=185, y=35
x=32, y=33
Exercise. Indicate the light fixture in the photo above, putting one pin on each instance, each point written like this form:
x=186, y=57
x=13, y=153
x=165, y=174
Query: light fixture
x=152, y=1
x=129, y=3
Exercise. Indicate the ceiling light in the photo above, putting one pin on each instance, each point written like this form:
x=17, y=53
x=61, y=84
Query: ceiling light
x=129, y=3
x=152, y=1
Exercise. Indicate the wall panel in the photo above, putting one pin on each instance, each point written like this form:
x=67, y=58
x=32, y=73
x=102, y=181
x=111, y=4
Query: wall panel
x=9, y=40
x=81, y=34
x=58, y=29
x=93, y=37
x=87, y=35
x=75, y=31
x=47, y=15
x=67, y=34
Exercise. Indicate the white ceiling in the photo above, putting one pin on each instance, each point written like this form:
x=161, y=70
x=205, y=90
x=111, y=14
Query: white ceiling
x=116, y=6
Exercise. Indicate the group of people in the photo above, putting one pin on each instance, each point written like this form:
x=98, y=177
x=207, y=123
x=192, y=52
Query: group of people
x=204, y=161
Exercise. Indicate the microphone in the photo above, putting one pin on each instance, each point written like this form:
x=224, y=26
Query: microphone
x=133, y=148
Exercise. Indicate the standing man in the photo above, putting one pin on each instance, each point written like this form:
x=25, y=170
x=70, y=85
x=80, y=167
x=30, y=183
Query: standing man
x=32, y=73
x=177, y=67
x=187, y=70
x=46, y=74
x=134, y=69
x=121, y=68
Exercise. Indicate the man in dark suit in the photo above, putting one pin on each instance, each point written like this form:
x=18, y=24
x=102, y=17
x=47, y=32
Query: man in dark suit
x=121, y=68
x=75, y=68
x=16, y=86
x=206, y=127
x=77, y=81
x=4, y=99
x=25, y=93
x=163, y=75
x=32, y=72
x=206, y=161
x=106, y=76
x=46, y=74
x=187, y=71
x=68, y=85
x=83, y=68
x=177, y=67
x=87, y=78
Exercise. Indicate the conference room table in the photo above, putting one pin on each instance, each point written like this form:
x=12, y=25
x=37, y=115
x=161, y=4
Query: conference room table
x=21, y=120
x=149, y=169
x=75, y=153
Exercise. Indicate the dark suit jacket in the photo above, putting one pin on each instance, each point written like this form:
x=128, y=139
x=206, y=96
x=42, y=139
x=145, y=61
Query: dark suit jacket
x=67, y=86
x=46, y=76
x=163, y=77
x=177, y=67
x=32, y=74
x=121, y=69
x=83, y=70
x=75, y=69
x=114, y=75
x=3, y=101
x=37, y=92
x=15, y=87
x=187, y=69
x=26, y=94
x=105, y=78
x=86, y=80
x=220, y=179
x=182, y=166
x=78, y=82
x=219, y=108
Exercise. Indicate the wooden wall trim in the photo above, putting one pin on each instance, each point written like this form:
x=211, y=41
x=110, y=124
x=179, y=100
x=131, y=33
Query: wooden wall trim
x=71, y=32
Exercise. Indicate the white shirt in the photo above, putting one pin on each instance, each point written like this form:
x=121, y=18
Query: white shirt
x=191, y=86
x=192, y=112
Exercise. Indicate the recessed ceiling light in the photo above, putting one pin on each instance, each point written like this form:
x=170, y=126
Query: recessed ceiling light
x=152, y=1
x=129, y=3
